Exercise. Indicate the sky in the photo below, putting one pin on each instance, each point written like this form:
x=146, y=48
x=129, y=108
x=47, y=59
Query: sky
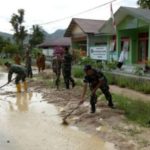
x=43, y=11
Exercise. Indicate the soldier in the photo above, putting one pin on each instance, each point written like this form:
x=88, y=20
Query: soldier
x=21, y=75
x=66, y=66
x=28, y=64
x=42, y=60
x=38, y=62
x=96, y=80
x=56, y=67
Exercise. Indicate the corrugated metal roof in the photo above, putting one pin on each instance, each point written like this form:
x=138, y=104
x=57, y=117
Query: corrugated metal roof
x=86, y=25
x=63, y=41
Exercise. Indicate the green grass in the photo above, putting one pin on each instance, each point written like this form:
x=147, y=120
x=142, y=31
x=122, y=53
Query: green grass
x=135, y=110
x=137, y=84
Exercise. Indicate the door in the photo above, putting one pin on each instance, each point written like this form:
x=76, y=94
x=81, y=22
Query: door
x=143, y=51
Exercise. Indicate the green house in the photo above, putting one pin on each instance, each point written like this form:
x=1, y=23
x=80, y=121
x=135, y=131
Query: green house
x=132, y=32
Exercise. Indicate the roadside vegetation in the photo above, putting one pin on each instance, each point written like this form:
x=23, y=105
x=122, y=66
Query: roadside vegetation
x=135, y=110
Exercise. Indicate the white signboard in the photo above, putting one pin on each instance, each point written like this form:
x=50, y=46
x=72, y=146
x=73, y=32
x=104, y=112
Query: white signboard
x=99, y=53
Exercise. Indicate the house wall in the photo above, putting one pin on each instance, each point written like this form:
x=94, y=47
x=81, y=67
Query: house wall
x=130, y=28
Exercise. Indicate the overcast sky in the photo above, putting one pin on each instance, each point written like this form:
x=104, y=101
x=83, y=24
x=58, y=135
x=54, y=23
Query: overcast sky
x=42, y=11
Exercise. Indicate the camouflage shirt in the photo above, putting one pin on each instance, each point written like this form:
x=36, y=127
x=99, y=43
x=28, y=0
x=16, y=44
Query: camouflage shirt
x=17, y=69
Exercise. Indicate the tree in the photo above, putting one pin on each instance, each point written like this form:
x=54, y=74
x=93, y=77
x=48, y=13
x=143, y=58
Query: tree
x=20, y=32
x=10, y=48
x=144, y=3
x=3, y=43
x=37, y=36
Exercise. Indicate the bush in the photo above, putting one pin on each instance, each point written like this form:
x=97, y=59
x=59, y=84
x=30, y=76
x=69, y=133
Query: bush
x=78, y=72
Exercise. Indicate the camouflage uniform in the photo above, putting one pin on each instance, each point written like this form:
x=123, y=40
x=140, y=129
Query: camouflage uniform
x=28, y=64
x=56, y=66
x=93, y=81
x=67, y=69
x=21, y=75
x=19, y=70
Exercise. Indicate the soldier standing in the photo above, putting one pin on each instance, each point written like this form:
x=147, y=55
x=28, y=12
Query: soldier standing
x=96, y=80
x=28, y=64
x=56, y=67
x=67, y=62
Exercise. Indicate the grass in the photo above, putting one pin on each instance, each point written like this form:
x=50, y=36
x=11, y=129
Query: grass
x=135, y=110
x=137, y=84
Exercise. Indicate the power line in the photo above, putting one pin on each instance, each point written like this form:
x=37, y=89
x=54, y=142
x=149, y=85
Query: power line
x=88, y=10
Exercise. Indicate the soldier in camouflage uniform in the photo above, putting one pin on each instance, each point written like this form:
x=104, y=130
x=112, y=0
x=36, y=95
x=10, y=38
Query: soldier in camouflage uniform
x=96, y=80
x=28, y=64
x=66, y=66
x=21, y=75
x=56, y=67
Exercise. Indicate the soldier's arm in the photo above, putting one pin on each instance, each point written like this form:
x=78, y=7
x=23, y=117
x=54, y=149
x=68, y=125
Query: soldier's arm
x=10, y=75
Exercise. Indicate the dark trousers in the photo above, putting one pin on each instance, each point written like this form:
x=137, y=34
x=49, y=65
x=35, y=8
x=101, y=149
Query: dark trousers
x=93, y=98
x=119, y=65
x=68, y=78
x=19, y=77
x=29, y=72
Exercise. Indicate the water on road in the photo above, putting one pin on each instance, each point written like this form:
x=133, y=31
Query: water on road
x=27, y=122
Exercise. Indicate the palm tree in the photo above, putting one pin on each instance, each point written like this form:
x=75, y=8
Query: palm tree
x=19, y=30
x=37, y=36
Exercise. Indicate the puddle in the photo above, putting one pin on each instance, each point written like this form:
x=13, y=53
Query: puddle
x=29, y=123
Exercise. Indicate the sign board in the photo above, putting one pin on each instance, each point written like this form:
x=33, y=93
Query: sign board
x=99, y=52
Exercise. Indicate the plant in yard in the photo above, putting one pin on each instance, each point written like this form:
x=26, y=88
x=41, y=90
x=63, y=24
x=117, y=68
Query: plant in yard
x=78, y=71
x=139, y=71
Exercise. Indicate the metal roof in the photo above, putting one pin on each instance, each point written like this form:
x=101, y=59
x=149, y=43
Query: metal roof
x=63, y=41
x=86, y=25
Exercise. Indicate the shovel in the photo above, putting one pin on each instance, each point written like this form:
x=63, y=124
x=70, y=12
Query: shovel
x=64, y=122
x=3, y=85
x=6, y=83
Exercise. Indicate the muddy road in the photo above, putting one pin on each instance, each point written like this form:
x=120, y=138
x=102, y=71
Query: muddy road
x=28, y=122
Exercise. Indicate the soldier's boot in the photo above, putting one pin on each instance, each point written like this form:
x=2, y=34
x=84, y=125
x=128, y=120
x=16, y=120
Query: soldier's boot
x=67, y=84
x=73, y=83
x=18, y=86
x=93, y=102
x=25, y=86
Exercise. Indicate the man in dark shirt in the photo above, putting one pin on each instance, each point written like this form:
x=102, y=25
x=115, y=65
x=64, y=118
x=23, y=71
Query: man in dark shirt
x=21, y=75
x=96, y=80
x=66, y=68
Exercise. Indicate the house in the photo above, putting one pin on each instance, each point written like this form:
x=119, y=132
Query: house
x=84, y=34
x=132, y=33
x=49, y=45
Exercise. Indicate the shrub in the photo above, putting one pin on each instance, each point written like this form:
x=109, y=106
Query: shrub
x=78, y=72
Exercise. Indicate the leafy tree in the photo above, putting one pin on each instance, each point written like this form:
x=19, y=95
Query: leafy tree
x=10, y=48
x=3, y=43
x=19, y=30
x=37, y=36
x=144, y=3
